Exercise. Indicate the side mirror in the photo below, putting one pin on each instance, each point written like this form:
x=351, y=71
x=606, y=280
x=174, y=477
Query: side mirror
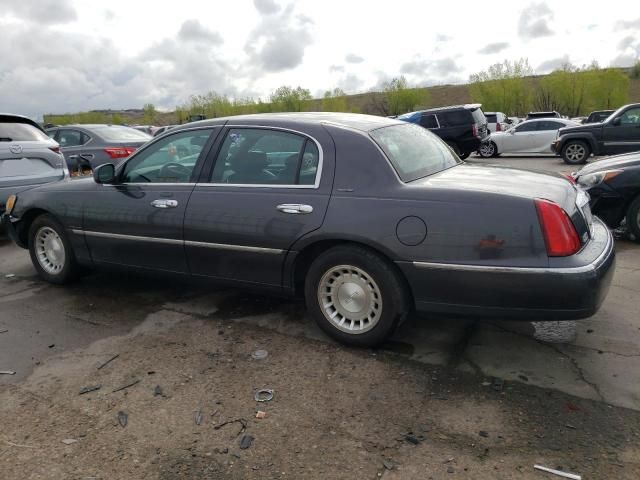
x=616, y=121
x=105, y=173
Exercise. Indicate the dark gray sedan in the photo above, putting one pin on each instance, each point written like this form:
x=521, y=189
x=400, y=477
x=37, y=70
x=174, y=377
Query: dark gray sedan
x=367, y=217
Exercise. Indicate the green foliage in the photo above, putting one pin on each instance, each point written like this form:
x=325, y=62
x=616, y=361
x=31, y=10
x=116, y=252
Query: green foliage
x=635, y=71
x=334, y=101
x=288, y=99
x=116, y=119
x=80, y=117
x=400, y=98
x=503, y=87
x=150, y=114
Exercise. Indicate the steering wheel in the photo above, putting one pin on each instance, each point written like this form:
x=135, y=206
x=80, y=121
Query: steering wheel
x=173, y=168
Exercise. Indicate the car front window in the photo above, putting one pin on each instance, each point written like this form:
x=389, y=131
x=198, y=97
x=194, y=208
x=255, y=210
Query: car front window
x=413, y=151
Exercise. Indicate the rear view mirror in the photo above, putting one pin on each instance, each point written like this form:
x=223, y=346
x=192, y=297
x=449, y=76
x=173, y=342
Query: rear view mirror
x=105, y=173
x=616, y=121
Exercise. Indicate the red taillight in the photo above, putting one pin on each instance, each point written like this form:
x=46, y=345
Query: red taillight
x=560, y=235
x=55, y=149
x=498, y=127
x=569, y=177
x=475, y=130
x=120, y=152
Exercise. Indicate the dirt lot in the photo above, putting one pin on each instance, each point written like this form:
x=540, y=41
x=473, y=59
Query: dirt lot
x=336, y=413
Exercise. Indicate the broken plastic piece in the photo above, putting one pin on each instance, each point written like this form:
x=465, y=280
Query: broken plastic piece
x=259, y=354
x=7, y=372
x=91, y=388
x=157, y=392
x=264, y=395
x=123, y=418
x=560, y=473
x=245, y=442
x=69, y=441
x=261, y=414
x=198, y=417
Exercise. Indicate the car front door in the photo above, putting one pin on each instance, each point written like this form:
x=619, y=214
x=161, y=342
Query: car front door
x=138, y=220
x=520, y=138
x=545, y=133
x=267, y=188
x=623, y=134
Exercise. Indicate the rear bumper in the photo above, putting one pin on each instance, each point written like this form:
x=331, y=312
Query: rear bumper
x=518, y=293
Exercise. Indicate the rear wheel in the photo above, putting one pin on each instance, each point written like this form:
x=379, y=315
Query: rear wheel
x=355, y=296
x=633, y=218
x=51, y=252
x=575, y=152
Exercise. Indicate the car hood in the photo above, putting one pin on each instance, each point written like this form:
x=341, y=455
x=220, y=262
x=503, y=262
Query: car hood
x=589, y=127
x=611, y=163
x=497, y=179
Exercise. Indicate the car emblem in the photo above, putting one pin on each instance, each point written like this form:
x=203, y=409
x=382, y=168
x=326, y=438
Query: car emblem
x=15, y=148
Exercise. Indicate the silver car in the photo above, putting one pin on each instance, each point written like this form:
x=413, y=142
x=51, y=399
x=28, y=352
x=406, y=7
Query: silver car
x=28, y=157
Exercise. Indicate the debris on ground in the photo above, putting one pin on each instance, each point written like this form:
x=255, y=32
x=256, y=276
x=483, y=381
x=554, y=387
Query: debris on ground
x=7, y=372
x=412, y=439
x=69, y=441
x=198, y=417
x=483, y=433
x=241, y=421
x=524, y=378
x=388, y=464
x=4, y=331
x=264, y=395
x=260, y=414
x=10, y=275
x=560, y=473
x=497, y=384
x=51, y=346
x=102, y=365
x=90, y=388
x=123, y=418
x=157, y=392
x=245, y=442
x=135, y=382
x=259, y=354
x=450, y=470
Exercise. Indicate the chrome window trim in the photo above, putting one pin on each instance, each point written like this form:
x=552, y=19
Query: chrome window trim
x=315, y=185
x=173, y=241
x=151, y=184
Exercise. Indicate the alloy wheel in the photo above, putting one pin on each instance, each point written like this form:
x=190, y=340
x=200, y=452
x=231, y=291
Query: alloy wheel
x=50, y=250
x=575, y=152
x=487, y=150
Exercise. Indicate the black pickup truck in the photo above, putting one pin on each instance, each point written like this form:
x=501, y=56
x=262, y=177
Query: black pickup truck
x=620, y=133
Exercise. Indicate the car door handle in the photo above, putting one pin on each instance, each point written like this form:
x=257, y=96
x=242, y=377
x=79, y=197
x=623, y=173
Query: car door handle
x=163, y=203
x=295, y=208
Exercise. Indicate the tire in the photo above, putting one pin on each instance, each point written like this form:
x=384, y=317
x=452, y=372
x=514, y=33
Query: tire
x=464, y=156
x=576, y=152
x=488, y=150
x=51, y=252
x=369, y=297
x=633, y=218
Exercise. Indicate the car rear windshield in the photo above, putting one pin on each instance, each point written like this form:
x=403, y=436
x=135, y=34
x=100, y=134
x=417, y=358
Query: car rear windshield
x=491, y=117
x=413, y=151
x=116, y=133
x=478, y=116
x=20, y=132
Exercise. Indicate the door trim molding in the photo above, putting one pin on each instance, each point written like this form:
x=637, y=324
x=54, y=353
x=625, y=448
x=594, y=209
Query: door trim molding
x=173, y=241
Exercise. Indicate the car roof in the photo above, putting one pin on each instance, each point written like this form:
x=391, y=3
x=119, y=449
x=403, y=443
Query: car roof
x=467, y=106
x=354, y=121
x=10, y=117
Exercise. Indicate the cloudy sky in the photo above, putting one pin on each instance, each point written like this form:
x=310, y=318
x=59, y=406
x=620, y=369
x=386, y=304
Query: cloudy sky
x=69, y=55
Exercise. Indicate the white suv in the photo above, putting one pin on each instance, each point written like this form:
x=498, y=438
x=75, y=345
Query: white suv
x=497, y=121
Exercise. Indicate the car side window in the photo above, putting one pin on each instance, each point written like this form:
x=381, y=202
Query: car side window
x=631, y=117
x=455, y=118
x=549, y=125
x=70, y=138
x=527, y=127
x=252, y=156
x=429, y=121
x=169, y=160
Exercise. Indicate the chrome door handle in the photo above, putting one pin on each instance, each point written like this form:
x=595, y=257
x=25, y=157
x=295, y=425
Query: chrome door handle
x=295, y=208
x=162, y=203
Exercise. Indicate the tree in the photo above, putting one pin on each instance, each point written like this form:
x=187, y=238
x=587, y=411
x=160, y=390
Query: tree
x=503, y=88
x=635, y=70
x=401, y=99
x=150, y=113
x=116, y=119
x=288, y=99
x=334, y=101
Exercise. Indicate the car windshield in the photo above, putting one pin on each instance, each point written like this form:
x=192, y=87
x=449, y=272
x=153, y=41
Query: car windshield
x=115, y=133
x=20, y=132
x=413, y=151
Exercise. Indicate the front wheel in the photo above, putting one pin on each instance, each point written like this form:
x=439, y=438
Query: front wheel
x=356, y=296
x=51, y=252
x=575, y=152
x=488, y=150
x=633, y=218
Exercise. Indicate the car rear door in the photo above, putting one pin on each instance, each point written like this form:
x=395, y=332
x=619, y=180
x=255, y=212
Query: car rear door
x=266, y=188
x=138, y=221
x=72, y=143
x=624, y=136
x=544, y=134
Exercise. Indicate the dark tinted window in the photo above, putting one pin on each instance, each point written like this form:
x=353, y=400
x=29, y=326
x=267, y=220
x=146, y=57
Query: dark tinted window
x=20, y=132
x=455, y=118
x=549, y=125
x=71, y=138
x=252, y=156
x=413, y=151
x=478, y=116
x=491, y=117
x=169, y=160
x=429, y=121
x=527, y=127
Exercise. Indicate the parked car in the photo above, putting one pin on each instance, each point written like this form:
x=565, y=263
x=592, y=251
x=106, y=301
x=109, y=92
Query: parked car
x=614, y=188
x=28, y=157
x=160, y=130
x=148, y=129
x=619, y=134
x=598, y=116
x=553, y=114
x=367, y=217
x=497, y=121
x=530, y=136
x=463, y=127
x=88, y=146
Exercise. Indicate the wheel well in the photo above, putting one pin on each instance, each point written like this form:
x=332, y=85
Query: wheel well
x=308, y=254
x=26, y=221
